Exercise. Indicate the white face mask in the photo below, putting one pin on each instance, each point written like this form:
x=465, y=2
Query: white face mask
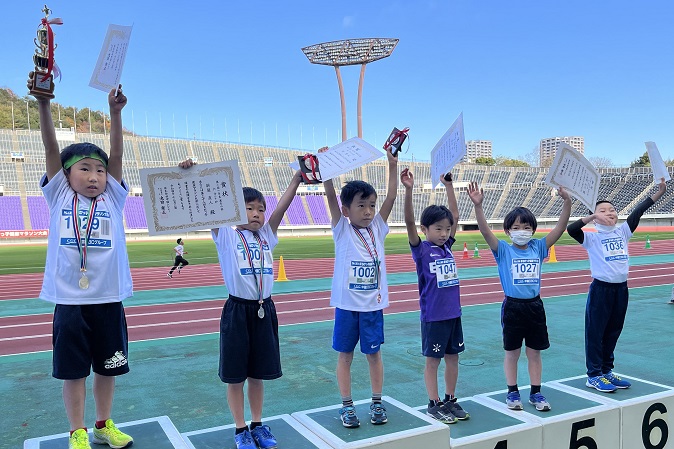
x=520, y=238
x=603, y=228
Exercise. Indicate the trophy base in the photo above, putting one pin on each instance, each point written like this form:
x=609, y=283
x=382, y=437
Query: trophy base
x=43, y=88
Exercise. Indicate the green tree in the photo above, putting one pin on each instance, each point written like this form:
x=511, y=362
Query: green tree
x=642, y=161
x=485, y=160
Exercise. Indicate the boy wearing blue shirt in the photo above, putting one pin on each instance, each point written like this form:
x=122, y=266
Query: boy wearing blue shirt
x=606, y=305
x=522, y=312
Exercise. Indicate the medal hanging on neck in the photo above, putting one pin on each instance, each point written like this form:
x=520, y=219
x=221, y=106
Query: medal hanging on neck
x=373, y=253
x=82, y=246
x=258, y=282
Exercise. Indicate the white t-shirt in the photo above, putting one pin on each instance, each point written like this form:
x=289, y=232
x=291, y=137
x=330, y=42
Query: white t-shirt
x=180, y=250
x=107, y=260
x=608, y=253
x=235, y=266
x=357, y=282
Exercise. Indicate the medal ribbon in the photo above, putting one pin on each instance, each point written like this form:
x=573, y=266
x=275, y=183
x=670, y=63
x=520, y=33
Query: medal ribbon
x=246, y=247
x=392, y=140
x=82, y=247
x=50, y=39
x=373, y=252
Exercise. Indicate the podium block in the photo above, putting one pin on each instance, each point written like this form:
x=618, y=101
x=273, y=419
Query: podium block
x=574, y=422
x=289, y=433
x=406, y=428
x=644, y=410
x=489, y=428
x=152, y=433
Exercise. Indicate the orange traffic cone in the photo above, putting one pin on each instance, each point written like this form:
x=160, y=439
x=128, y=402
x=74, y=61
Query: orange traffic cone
x=552, y=256
x=281, y=271
x=465, y=250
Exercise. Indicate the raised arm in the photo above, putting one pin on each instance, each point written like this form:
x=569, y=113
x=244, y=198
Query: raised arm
x=392, y=189
x=559, y=228
x=116, y=104
x=407, y=180
x=283, y=203
x=477, y=196
x=452, y=205
x=51, y=146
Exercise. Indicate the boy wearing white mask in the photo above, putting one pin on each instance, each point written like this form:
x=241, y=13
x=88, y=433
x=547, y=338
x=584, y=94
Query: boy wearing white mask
x=522, y=312
x=606, y=305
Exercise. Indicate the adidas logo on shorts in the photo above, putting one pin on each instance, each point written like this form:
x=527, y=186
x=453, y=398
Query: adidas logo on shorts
x=116, y=361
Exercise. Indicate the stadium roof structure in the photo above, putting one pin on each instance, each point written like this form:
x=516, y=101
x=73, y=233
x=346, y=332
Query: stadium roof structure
x=350, y=51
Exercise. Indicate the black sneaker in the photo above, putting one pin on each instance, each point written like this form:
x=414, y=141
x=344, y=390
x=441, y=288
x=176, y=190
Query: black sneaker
x=452, y=407
x=437, y=412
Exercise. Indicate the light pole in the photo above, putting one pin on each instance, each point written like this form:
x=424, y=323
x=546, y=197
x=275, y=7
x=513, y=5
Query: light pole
x=350, y=52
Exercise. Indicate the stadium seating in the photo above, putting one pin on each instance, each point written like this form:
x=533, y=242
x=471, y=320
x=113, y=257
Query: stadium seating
x=11, y=218
x=38, y=212
x=266, y=168
x=134, y=213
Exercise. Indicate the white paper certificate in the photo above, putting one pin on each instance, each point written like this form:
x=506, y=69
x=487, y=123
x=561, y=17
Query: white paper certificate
x=200, y=197
x=448, y=151
x=110, y=63
x=576, y=174
x=344, y=157
x=657, y=164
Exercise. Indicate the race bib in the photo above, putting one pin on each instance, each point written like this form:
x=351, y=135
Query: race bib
x=445, y=272
x=363, y=275
x=614, y=249
x=526, y=271
x=255, y=253
x=101, y=234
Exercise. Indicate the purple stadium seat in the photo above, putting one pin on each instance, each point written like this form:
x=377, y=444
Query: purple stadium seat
x=317, y=207
x=134, y=213
x=296, y=213
x=11, y=218
x=38, y=212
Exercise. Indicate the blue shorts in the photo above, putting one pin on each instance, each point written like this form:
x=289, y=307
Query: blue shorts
x=89, y=335
x=350, y=326
x=442, y=337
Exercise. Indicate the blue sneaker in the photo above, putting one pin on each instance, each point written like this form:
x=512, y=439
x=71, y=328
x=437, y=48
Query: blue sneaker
x=348, y=415
x=616, y=380
x=244, y=440
x=513, y=401
x=263, y=437
x=378, y=413
x=600, y=383
x=539, y=401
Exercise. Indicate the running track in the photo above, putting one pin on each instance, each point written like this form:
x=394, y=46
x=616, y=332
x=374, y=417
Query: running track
x=30, y=333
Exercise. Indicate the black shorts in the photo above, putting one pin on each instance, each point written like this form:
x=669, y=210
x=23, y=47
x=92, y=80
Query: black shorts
x=86, y=336
x=249, y=346
x=524, y=319
x=442, y=337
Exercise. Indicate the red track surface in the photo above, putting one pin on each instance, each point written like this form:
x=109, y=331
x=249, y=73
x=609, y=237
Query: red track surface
x=29, y=333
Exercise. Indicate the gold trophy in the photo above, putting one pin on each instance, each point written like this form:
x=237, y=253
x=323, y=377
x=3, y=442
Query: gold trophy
x=45, y=67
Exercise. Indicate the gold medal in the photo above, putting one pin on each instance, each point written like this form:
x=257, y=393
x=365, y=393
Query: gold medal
x=84, y=282
x=260, y=312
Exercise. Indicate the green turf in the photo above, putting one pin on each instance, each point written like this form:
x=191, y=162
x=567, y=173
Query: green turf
x=30, y=258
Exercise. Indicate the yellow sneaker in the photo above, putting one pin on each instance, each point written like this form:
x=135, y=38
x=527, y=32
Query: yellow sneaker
x=112, y=436
x=79, y=440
